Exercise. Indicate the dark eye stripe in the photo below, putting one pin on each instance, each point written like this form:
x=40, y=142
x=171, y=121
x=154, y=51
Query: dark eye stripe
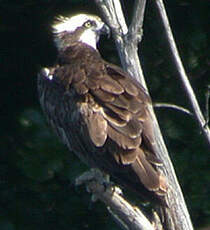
x=89, y=23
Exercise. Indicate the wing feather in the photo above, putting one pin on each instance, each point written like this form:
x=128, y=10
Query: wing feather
x=123, y=141
x=132, y=129
x=110, y=85
x=108, y=112
x=122, y=113
x=103, y=96
x=97, y=127
x=147, y=175
x=81, y=88
x=130, y=88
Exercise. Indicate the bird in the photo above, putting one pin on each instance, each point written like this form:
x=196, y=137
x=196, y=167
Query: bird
x=98, y=110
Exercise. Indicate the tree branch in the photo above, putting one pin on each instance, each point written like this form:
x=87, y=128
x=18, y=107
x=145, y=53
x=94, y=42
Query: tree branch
x=135, y=28
x=126, y=215
x=112, y=12
x=172, y=106
x=182, y=74
x=176, y=216
x=207, y=94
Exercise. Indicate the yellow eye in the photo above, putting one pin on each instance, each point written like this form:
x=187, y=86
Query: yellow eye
x=88, y=24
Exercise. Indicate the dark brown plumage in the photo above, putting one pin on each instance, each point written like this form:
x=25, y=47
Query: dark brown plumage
x=101, y=114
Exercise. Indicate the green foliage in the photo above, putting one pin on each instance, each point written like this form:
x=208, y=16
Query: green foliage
x=37, y=172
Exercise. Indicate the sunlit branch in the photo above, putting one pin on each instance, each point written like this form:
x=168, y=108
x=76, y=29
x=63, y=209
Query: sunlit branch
x=135, y=28
x=172, y=106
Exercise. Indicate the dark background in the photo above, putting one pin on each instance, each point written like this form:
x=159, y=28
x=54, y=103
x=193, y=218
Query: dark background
x=36, y=171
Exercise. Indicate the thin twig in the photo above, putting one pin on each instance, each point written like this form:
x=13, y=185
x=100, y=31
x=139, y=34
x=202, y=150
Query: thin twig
x=207, y=105
x=182, y=74
x=172, y=106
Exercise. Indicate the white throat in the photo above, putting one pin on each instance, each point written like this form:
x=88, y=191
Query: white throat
x=90, y=38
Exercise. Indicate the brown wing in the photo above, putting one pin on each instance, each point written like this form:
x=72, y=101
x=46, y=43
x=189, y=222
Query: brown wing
x=101, y=113
x=115, y=108
x=128, y=124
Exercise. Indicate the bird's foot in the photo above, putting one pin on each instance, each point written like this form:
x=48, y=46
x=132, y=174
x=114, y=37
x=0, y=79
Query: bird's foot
x=97, y=182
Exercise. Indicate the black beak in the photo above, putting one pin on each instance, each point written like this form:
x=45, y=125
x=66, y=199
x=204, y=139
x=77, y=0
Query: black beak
x=105, y=30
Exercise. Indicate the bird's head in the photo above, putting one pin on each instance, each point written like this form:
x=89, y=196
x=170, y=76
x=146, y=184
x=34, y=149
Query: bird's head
x=84, y=28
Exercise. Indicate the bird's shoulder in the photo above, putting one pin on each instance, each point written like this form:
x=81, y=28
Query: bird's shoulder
x=111, y=103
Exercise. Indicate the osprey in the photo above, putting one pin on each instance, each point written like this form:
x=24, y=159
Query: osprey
x=98, y=110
